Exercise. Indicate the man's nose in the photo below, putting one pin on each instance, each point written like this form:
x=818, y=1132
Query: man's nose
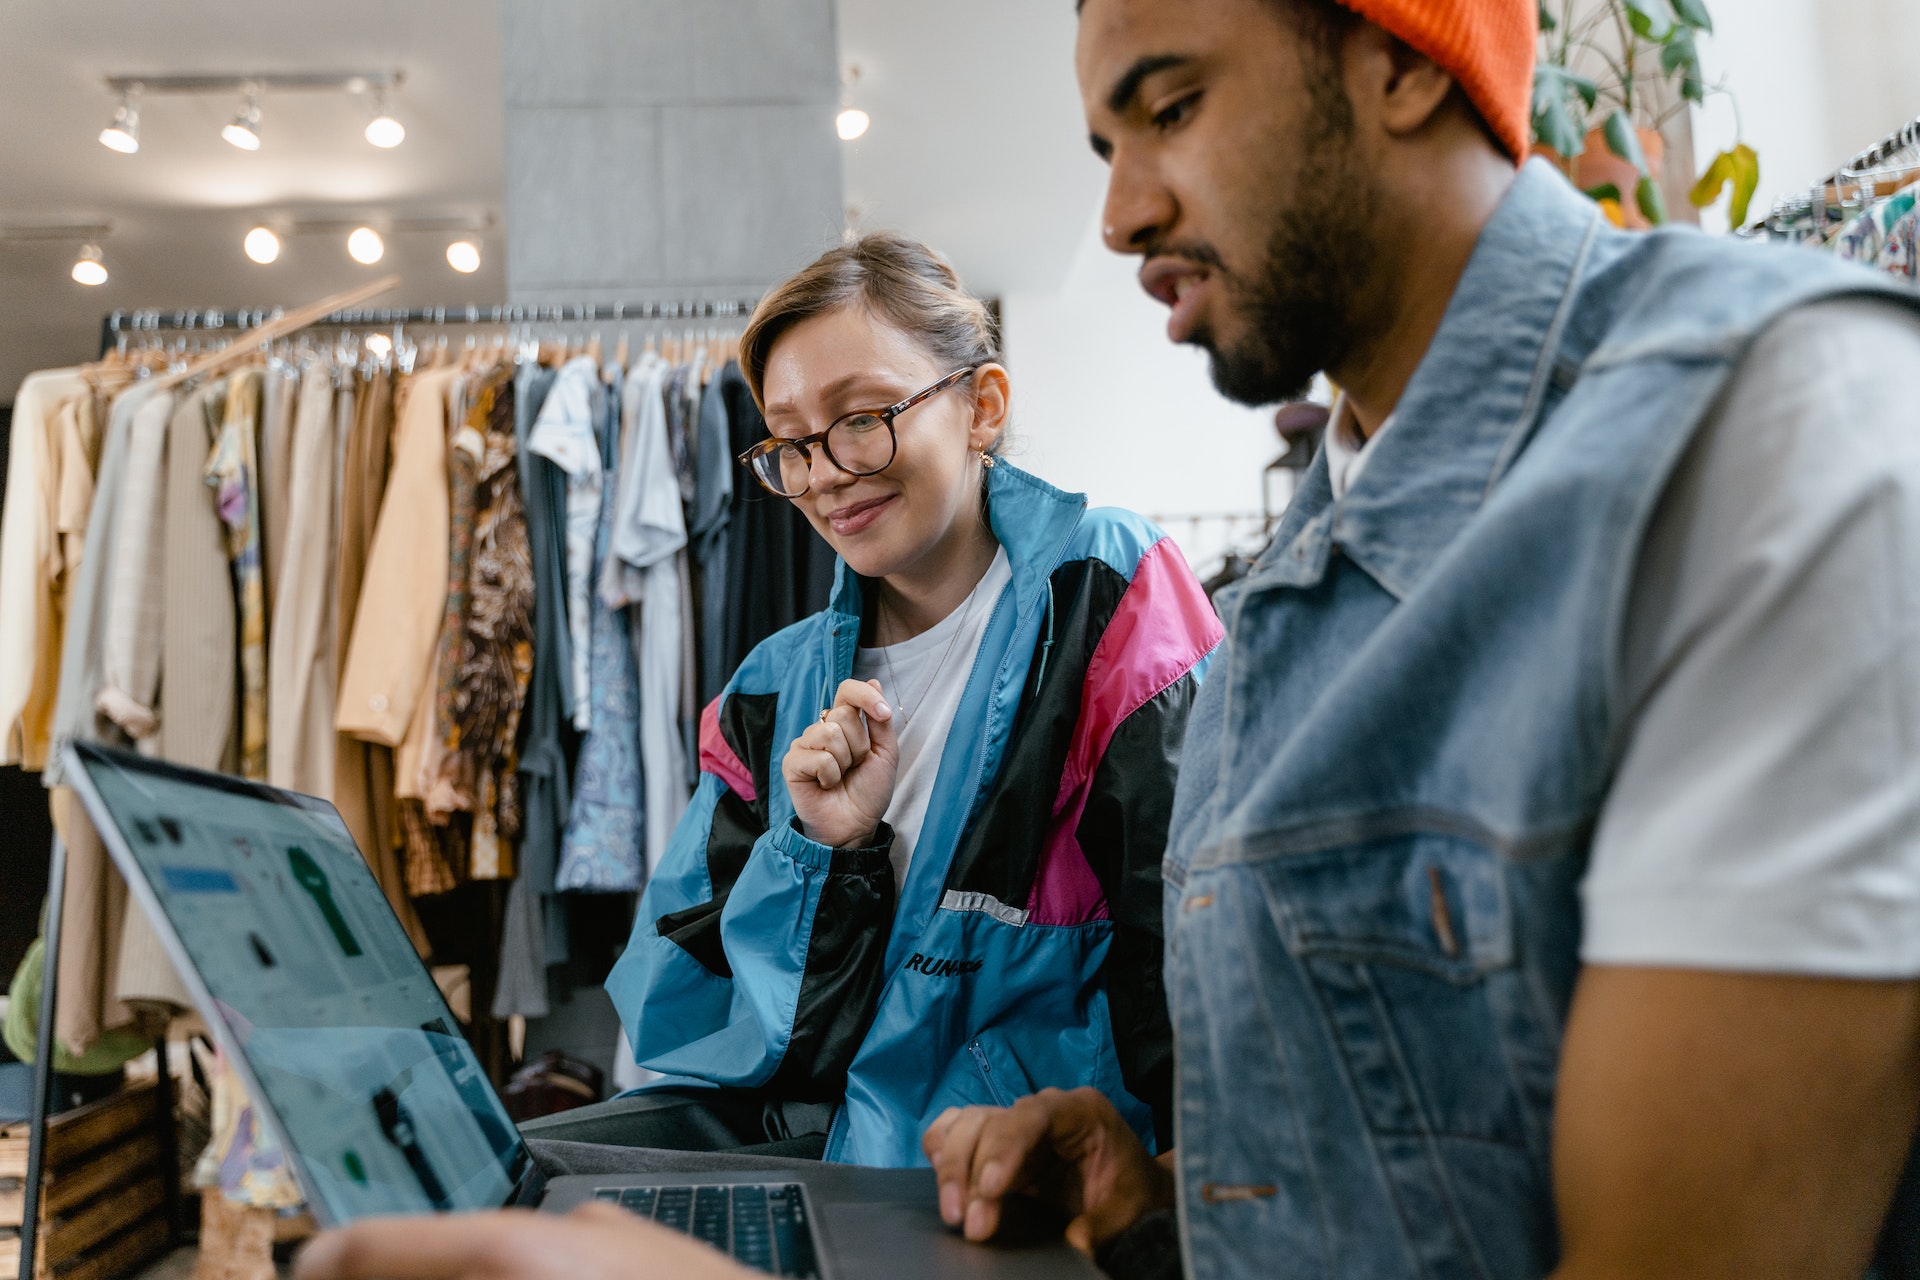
x=1139, y=207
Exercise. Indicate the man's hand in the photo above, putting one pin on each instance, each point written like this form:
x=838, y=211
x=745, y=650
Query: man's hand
x=594, y=1242
x=1071, y=1149
x=840, y=772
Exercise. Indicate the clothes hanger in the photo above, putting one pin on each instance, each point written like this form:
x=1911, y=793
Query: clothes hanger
x=291, y=322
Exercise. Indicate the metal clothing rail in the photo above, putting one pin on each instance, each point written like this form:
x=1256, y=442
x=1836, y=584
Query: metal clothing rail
x=1860, y=169
x=242, y=319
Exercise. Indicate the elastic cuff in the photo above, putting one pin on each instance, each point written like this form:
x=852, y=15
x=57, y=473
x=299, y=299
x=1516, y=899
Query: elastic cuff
x=1147, y=1250
x=808, y=852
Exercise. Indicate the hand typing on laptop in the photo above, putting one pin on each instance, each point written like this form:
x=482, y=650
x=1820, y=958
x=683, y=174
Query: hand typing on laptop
x=1069, y=1148
x=593, y=1242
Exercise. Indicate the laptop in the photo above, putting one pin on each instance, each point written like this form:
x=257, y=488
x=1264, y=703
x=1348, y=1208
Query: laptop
x=314, y=993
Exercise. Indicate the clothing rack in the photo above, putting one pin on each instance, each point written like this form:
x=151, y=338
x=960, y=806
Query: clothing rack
x=242, y=319
x=1864, y=167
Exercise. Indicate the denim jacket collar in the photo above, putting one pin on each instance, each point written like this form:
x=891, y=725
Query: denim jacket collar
x=1030, y=518
x=1470, y=406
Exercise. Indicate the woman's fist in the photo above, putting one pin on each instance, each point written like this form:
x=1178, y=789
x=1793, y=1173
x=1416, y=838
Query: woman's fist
x=840, y=772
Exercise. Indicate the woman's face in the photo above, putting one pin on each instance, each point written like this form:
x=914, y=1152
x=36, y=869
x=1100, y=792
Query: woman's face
x=845, y=360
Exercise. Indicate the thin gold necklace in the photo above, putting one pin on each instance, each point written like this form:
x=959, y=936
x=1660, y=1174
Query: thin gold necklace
x=907, y=712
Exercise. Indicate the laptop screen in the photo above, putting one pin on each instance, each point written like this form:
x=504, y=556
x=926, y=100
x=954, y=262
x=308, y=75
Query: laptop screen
x=385, y=1105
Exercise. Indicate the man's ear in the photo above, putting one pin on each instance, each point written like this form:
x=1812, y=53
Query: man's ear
x=1407, y=87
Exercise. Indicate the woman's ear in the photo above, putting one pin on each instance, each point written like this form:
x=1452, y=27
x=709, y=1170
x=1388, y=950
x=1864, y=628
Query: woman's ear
x=992, y=398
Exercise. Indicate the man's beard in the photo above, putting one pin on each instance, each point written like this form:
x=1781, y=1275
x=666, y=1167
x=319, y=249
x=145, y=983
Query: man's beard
x=1298, y=311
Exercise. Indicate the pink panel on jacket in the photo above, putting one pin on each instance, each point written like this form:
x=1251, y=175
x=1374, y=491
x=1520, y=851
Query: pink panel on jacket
x=1162, y=627
x=718, y=759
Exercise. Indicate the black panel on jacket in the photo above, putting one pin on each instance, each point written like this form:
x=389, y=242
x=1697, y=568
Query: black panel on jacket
x=746, y=723
x=1124, y=836
x=1000, y=852
x=844, y=973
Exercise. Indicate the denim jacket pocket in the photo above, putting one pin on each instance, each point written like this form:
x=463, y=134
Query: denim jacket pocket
x=1407, y=942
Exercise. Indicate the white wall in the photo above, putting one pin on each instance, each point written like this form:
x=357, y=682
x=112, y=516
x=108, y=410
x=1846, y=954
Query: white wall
x=1815, y=80
x=1103, y=403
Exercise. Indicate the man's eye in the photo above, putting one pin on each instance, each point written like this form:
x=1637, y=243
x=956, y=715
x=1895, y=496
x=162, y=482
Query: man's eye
x=1175, y=112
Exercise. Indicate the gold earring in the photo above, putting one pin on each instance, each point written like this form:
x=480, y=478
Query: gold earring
x=986, y=459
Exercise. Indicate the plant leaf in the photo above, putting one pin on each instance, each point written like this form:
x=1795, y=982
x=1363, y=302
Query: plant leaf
x=1692, y=12
x=1652, y=203
x=1652, y=19
x=1555, y=123
x=1746, y=180
x=1624, y=142
x=1605, y=191
x=1682, y=55
x=1713, y=180
x=1548, y=22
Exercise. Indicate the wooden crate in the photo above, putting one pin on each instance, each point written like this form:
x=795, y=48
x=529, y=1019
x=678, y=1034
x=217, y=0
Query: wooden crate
x=103, y=1211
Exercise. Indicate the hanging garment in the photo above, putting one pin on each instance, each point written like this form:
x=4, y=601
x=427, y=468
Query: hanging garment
x=30, y=614
x=647, y=536
x=300, y=692
x=1900, y=255
x=133, y=621
x=403, y=592
x=199, y=634
x=564, y=433
x=363, y=787
x=778, y=569
x=234, y=471
x=602, y=849
x=487, y=654
x=707, y=538
x=95, y=903
x=278, y=405
x=532, y=932
x=79, y=668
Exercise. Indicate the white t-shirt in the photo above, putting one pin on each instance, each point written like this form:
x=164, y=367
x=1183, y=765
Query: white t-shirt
x=1765, y=815
x=922, y=680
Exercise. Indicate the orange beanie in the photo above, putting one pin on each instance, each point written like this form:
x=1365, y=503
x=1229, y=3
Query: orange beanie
x=1487, y=46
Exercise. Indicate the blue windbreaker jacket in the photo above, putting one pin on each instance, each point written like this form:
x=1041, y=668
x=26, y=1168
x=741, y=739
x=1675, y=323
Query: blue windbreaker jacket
x=1024, y=950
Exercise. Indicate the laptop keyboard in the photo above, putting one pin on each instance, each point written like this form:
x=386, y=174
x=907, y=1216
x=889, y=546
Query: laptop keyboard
x=760, y=1225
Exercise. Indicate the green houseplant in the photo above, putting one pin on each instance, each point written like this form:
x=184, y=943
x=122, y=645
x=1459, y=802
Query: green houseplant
x=1612, y=73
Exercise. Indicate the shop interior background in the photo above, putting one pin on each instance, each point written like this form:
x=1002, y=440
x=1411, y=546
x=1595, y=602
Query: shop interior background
x=976, y=144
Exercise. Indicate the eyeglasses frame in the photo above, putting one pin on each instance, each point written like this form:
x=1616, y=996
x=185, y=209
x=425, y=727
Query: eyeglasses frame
x=805, y=443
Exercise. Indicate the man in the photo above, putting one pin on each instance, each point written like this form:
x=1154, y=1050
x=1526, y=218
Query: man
x=1545, y=875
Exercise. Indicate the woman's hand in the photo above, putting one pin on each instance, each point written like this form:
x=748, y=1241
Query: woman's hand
x=841, y=771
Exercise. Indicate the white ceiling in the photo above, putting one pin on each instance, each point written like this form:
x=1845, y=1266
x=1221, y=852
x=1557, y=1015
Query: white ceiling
x=977, y=146
x=180, y=207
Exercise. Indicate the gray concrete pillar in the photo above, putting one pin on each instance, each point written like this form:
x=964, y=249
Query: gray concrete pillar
x=667, y=149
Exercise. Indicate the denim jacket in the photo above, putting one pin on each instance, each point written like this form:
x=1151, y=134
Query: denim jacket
x=1391, y=780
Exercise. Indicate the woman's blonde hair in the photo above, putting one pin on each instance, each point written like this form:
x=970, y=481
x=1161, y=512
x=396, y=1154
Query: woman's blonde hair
x=898, y=279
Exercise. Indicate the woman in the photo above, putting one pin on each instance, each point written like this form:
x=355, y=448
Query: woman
x=922, y=868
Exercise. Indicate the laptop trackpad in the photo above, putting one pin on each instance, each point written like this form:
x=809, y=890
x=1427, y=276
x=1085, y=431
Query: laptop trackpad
x=876, y=1240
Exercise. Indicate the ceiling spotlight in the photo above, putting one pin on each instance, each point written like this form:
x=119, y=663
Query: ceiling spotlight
x=464, y=256
x=89, y=269
x=383, y=130
x=122, y=133
x=244, y=131
x=365, y=246
x=262, y=245
x=851, y=123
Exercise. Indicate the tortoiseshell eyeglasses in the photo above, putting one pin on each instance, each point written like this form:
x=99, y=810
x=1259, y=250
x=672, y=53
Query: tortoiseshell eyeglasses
x=861, y=443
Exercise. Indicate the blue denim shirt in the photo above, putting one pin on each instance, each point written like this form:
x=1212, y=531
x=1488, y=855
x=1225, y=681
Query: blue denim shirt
x=1390, y=781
